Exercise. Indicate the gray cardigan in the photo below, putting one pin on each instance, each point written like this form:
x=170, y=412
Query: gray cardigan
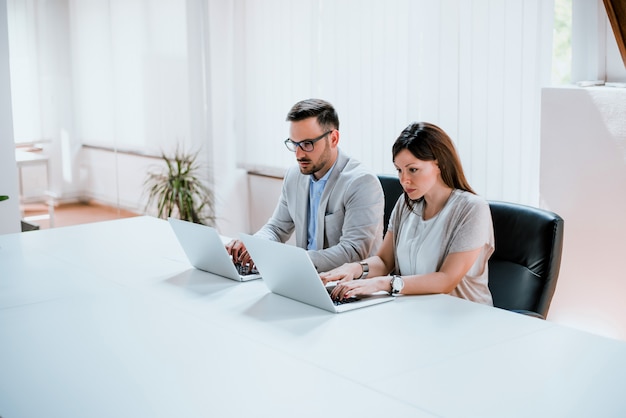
x=467, y=226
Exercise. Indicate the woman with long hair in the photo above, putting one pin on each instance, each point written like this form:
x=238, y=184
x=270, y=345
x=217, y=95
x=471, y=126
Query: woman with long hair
x=440, y=234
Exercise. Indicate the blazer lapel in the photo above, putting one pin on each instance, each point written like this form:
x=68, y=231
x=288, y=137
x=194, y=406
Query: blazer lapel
x=342, y=161
x=302, y=211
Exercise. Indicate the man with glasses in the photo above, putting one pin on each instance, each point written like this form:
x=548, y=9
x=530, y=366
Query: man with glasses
x=334, y=205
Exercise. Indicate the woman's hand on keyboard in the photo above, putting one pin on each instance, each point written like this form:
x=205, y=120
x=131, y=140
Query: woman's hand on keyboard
x=345, y=290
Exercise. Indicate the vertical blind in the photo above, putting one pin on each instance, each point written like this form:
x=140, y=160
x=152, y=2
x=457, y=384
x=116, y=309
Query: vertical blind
x=133, y=75
x=475, y=68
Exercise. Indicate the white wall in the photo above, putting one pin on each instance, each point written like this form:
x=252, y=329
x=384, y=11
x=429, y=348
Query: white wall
x=9, y=209
x=115, y=178
x=264, y=192
x=583, y=179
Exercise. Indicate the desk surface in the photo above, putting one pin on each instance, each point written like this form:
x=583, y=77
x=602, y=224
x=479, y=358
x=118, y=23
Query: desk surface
x=109, y=319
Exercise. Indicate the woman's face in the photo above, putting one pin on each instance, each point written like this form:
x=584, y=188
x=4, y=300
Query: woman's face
x=416, y=176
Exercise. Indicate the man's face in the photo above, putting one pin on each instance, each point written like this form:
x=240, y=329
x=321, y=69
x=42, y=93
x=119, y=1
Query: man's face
x=324, y=154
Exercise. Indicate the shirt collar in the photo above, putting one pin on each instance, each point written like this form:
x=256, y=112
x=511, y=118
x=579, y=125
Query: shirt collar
x=325, y=178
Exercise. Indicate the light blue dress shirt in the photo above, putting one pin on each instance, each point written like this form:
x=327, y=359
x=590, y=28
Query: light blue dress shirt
x=316, y=188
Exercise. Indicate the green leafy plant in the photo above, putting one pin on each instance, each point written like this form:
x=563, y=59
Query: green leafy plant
x=177, y=189
x=3, y=197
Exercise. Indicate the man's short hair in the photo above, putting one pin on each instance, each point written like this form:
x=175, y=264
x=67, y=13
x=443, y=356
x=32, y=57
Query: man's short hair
x=322, y=110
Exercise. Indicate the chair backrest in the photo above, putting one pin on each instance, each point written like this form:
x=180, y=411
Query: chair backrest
x=392, y=190
x=524, y=268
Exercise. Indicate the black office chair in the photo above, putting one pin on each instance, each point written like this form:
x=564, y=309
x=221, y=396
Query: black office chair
x=524, y=268
x=392, y=190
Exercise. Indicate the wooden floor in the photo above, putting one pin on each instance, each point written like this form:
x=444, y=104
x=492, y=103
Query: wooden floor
x=71, y=214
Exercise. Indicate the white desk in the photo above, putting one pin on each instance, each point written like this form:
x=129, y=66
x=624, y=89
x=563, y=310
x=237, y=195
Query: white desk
x=109, y=319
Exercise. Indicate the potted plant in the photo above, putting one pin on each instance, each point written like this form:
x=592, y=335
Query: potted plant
x=177, y=189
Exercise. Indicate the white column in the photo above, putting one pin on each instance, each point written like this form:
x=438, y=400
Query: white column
x=9, y=209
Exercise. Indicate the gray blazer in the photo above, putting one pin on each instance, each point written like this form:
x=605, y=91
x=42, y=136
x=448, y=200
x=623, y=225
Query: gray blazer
x=350, y=215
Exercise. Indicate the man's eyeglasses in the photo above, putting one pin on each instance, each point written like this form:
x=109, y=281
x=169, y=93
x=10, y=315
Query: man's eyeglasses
x=307, y=145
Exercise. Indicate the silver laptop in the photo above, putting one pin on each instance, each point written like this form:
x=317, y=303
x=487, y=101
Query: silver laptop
x=288, y=271
x=206, y=251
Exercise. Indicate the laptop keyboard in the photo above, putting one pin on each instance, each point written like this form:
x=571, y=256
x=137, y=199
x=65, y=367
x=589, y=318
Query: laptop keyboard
x=341, y=301
x=344, y=301
x=245, y=270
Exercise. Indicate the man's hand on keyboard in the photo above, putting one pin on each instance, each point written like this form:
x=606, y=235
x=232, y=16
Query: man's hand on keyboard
x=239, y=254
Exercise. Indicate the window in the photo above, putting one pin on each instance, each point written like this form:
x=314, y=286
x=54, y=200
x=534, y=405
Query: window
x=562, y=43
x=595, y=52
